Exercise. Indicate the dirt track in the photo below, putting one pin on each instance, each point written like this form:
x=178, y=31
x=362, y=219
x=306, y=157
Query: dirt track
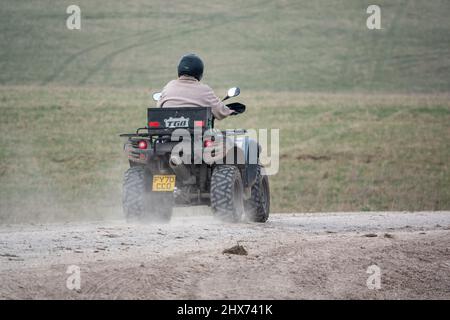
x=302, y=256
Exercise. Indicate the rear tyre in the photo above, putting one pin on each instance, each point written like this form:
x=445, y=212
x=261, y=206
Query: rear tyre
x=140, y=204
x=258, y=206
x=227, y=191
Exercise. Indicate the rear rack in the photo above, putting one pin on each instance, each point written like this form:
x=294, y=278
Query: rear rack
x=154, y=132
x=164, y=132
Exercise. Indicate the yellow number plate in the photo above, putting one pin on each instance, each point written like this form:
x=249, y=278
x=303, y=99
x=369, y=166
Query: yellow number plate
x=163, y=183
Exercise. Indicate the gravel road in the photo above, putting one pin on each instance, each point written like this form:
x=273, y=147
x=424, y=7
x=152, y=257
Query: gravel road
x=292, y=256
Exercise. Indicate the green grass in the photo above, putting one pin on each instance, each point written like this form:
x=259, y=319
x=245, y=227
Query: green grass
x=61, y=156
x=364, y=115
x=289, y=45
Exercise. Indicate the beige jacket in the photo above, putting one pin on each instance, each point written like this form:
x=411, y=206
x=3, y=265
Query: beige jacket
x=189, y=92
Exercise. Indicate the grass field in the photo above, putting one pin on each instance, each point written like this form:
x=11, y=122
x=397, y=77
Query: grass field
x=364, y=116
x=287, y=45
x=61, y=155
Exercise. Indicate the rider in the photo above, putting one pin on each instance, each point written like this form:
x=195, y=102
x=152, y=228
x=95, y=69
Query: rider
x=188, y=91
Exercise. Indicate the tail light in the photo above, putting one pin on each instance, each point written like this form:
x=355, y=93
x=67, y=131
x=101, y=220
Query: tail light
x=153, y=124
x=142, y=145
x=199, y=123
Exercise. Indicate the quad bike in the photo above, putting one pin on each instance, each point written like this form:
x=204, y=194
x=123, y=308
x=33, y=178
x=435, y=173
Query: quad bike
x=160, y=176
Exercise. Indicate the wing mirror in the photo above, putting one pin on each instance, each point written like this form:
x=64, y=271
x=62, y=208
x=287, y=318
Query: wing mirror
x=157, y=96
x=232, y=92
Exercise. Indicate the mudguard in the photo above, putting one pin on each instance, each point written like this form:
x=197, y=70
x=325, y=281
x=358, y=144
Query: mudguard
x=250, y=150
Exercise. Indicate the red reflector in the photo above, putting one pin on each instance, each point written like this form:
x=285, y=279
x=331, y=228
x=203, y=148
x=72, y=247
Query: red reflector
x=142, y=144
x=199, y=123
x=208, y=143
x=153, y=124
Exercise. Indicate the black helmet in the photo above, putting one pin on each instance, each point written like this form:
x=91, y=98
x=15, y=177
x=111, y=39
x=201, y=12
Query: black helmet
x=191, y=65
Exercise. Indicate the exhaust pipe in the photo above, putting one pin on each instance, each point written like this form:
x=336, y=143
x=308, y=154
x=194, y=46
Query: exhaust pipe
x=180, y=170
